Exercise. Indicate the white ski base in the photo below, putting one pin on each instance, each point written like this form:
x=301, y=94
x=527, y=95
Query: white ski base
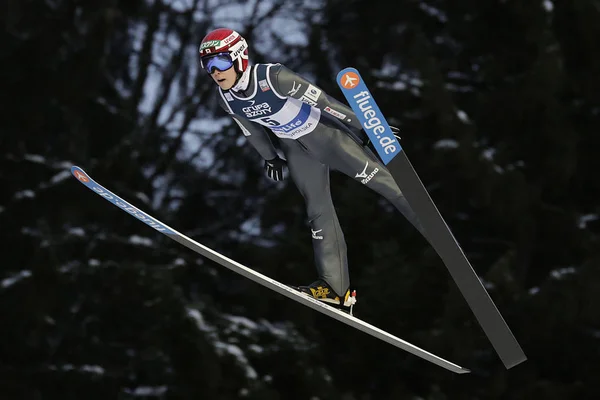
x=263, y=279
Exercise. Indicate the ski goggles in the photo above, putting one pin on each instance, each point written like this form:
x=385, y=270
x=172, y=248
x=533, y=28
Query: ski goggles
x=222, y=62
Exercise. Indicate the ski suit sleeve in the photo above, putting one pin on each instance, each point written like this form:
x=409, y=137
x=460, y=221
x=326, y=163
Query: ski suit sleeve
x=288, y=83
x=254, y=133
x=258, y=137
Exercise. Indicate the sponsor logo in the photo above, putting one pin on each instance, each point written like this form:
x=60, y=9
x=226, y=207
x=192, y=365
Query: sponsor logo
x=237, y=50
x=294, y=89
x=228, y=97
x=312, y=93
x=308, y=101
x=257, y=110
x=320, y=292
x=210, y=43
x=81, y=176
x=230, y=38
x=366, y=178
x=264, y=86
x=349, y=80
x=290, y=126
x=139, y=214
x=369, y=114
x=292, y=131
x=314, y=234
x=335, y=113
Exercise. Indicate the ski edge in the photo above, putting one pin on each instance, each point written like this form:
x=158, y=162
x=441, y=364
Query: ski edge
x=261, y=279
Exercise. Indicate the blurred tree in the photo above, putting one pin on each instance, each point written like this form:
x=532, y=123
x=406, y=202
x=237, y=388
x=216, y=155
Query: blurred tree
x=498, y=105
x=97, y=305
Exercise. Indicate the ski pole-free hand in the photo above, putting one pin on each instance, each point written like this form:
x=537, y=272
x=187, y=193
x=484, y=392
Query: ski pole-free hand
x=274, y=168
x=395, y=131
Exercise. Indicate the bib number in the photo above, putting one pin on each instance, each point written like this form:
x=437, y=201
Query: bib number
x=268, y=120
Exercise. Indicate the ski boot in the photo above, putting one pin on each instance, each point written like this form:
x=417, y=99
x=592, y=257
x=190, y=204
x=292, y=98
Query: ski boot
x=321, y=291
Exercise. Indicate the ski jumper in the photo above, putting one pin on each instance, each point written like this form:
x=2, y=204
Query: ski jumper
x=317, y=133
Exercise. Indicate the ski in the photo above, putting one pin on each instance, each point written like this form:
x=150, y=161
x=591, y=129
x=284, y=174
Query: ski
x=438, y=233
x=257, y=277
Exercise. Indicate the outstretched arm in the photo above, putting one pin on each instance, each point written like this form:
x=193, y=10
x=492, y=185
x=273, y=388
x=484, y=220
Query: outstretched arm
x=288, y=83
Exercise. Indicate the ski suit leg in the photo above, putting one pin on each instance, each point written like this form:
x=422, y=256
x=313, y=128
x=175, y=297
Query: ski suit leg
x=343, y=154
x=312, y=180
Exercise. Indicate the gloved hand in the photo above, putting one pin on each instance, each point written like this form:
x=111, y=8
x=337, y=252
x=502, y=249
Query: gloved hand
x=274, y=168
x=395, y=131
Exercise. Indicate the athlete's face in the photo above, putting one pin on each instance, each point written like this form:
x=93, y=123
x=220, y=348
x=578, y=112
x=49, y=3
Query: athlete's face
x=225, y=79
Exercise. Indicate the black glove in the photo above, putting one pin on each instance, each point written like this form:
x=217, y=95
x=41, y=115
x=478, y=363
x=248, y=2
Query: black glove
x=395, y=131
x=274, y=168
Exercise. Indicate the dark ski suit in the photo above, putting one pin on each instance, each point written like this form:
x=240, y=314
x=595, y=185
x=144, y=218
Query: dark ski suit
x=317, y=133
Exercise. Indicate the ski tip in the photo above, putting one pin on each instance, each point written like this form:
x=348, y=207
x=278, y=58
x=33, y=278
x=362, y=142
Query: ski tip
x=80, y=174
x=346, y=70
x=348, y=78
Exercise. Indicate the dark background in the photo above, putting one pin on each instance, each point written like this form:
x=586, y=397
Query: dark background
x=499, y=110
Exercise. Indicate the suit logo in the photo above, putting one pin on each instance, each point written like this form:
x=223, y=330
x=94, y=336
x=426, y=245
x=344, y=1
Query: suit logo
x=366, y=178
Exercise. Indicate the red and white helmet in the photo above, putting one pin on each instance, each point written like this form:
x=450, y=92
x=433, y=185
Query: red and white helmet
x=225, y=40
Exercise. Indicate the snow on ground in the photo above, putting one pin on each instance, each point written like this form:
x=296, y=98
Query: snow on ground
x=224, y=338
